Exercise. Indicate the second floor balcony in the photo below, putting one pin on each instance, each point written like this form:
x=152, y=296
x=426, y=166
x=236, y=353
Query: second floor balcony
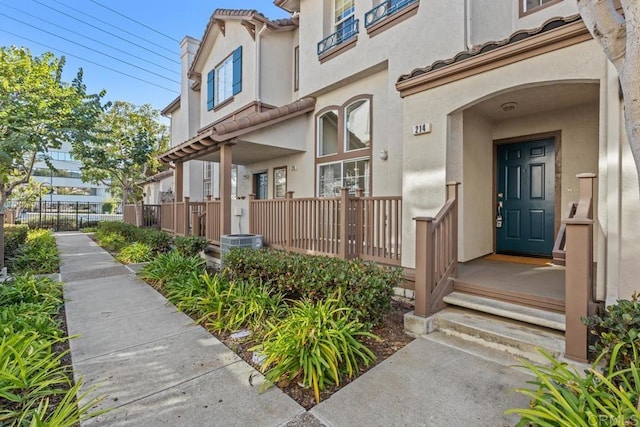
x=346, y=31
x=385, y=9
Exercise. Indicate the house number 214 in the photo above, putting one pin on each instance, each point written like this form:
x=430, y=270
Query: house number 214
x=422, y=128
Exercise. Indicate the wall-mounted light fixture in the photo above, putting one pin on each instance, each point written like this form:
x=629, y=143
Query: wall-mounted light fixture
x=384, y=155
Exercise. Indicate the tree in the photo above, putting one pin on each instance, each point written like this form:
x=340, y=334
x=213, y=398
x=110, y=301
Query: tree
x=37, y=112
x=122, y=154
x=619, y=36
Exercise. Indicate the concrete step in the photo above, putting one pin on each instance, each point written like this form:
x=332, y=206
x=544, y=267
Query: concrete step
x=509, y=336
x=534, y=316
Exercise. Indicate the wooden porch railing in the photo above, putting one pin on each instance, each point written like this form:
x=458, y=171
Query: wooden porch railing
x=579, y=271
x=197, y=219
x=166, y=217
x=181, y=220
x=129, y=214
x=212, y=221
x=348, y=226
x=560, y=245
x=436, y=255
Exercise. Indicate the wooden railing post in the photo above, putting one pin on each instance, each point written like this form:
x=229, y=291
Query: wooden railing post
x=250, y=216
x=344, y=219
x=288, y=220
x=359, y=222
x=186, y=209
x=579, y=271
x=424, y=266
x=452, y=194
x=195, y=223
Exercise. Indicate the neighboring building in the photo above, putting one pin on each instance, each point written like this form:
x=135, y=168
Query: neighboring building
x=512, y=99
x=66, y=180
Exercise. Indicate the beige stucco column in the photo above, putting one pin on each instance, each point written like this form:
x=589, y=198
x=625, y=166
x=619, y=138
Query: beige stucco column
x=225, y=189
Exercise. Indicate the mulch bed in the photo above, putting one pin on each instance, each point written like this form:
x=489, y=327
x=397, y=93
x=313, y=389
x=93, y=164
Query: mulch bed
x=392, y=335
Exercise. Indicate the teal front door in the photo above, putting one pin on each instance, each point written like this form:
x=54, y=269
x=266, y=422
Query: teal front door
x=526, y=198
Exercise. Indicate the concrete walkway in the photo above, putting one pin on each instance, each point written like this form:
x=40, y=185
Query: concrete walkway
x=153, y=364
x=157, y=368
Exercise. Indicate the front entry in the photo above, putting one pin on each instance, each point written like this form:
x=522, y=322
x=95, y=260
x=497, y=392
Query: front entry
x=525, y=198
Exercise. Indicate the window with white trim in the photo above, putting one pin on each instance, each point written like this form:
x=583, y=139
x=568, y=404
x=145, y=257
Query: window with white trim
x=352, y=174
x=225, y=80
x=344, y=15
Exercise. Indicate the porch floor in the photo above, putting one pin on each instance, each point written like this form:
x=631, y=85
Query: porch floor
x=543, y=282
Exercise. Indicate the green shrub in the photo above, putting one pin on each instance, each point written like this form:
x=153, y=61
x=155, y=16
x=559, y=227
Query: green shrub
x=111, y=241
x=38, y=255
x=30, y=289
x=367, y=287
x=317, y=345
x=230, y=306
x=14, y=237
x=620, y=324
x=108, y=207
x=561, y=396
x=135, y=252
x=159, y=241
x=33, y=376
x=170, y=266
x=190, y=245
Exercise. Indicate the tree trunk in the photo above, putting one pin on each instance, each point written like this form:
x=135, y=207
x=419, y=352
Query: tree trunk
x=619, y=37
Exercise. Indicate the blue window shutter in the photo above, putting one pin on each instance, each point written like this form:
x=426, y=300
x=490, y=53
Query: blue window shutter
x=237, y=70
x=211, y=89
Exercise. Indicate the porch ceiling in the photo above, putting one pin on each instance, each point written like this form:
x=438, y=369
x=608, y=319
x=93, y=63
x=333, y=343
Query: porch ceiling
x=208, y=141
x=540, y=98
x=247, y=152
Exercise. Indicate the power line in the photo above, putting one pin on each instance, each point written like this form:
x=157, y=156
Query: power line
x=90, y=62
x=91, y=49
x=137, y=22
x=105, y=31
x=89, y=38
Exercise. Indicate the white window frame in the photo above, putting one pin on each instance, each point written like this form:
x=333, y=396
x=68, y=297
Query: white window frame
x=342, y=177
x=338, y=22
x=223, y=86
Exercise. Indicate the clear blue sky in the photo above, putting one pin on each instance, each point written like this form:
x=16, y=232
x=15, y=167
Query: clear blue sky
x=49, y=25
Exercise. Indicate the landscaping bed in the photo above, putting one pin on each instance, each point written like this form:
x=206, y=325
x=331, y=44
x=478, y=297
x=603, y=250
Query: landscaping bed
x=310, y=324
x=36, y=381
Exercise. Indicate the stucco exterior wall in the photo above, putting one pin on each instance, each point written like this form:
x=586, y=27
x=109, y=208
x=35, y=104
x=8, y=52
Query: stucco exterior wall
x=435, y=32
x=223, y=46
x=425, y=156
x=276, y=62
x=629, y=270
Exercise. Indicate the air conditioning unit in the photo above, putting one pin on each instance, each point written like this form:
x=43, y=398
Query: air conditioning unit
x=230, y=241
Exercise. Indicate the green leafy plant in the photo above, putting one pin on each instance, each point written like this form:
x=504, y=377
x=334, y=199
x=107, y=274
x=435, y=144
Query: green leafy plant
x=561, y=396
x=113, y=242
x=31, y=374
x=316, y=344
x=367, y=287
x=135, y=252
x=619, y=324
x=229, y=306
x=37, y=255
x=170, y=266
x=190, y=245
x=14, y=237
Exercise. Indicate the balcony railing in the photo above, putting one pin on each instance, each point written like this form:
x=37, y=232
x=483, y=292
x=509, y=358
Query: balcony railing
x=385, y=9
x=347, y=31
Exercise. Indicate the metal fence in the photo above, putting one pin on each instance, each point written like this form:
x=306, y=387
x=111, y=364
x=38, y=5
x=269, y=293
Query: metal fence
x=65, y=216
